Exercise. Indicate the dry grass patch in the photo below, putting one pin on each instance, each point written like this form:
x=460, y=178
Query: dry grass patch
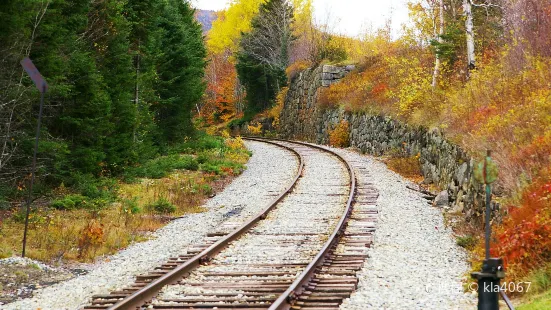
x=76, y=227
x=408, y=167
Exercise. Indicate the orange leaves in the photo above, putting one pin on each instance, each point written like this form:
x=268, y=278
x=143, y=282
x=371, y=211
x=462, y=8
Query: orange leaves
x=340, y=136
x=536, y=153
x=480, y=116
x=295, y=68
x=221, y=95
x=353, y=92
x=90, y=238
x=524, y=240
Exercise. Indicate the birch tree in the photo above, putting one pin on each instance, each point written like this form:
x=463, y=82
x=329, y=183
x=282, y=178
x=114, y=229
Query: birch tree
x=271, y=37
x=438, y=62
x=469, y=27
x=469, y=33
x=264, y=53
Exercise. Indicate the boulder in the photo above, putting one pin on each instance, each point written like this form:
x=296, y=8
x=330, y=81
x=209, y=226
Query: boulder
x=442, y=200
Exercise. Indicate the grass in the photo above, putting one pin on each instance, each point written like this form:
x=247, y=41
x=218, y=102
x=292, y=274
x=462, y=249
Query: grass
x=537, y=302
x=54, y=235
x=101, y=216
x=408, y=167
x=468, y=242
x=539, y=295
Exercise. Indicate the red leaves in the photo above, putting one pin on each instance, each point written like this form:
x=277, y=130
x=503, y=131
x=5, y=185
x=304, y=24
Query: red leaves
x=379, y=89
x=524, y=240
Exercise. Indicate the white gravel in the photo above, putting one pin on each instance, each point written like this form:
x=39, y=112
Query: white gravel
x=25, y=261
x=269, y=172
x=293, y=233
x=414, y=262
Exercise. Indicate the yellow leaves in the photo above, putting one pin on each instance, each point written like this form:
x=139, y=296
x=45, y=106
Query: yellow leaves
x=227, y=29
x=255, y=129
x=303, y=16
x=340, y=136
x=235, y=143
x=275, y=112
x=414, y=82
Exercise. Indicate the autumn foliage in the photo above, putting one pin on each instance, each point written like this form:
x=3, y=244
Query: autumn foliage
x=223, y=90
x=339, y=136
x=524, y=240
x=503, y=105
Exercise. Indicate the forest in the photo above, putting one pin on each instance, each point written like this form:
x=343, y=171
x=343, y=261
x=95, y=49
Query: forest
x=139, y=94
x=125, y=80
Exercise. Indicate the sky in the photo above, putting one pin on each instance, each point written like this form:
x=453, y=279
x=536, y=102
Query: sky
x=350, y=17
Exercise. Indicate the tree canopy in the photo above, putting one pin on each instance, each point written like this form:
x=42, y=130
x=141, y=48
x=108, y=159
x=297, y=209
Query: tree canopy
x=124, y=76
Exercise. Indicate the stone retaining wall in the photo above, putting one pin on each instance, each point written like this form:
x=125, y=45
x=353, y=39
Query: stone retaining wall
x=442, y=162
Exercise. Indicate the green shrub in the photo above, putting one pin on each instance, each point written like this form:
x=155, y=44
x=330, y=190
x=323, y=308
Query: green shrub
x=206, y=189
x=93, y=187
x=75, y=202
x=203, y=157
x=4, y=204
x=69, y=202
x=162, y=206
x=211, y=168
x=541, y=279
x=468, y=242
x=130, y=206
x=201, y=142
x=162, y=166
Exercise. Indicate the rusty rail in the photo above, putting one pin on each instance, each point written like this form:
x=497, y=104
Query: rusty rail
x=146, y=293
x=286, y=300
x=506, y=300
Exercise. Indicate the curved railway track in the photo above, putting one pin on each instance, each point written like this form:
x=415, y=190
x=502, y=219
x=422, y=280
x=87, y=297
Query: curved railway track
x=301, y=252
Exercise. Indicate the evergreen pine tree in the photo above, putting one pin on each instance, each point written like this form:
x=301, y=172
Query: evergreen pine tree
x=180, y=70
x=115, y=64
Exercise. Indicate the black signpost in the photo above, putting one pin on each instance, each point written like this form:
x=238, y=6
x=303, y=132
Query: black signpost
x=42, y=88
x=492, y=268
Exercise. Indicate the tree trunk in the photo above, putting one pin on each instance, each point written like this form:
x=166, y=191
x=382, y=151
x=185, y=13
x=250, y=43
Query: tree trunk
x=471, y=61
x=438, y=62
x=137, y=92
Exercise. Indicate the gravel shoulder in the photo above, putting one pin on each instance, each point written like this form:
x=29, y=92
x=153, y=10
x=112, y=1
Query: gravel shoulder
x=414, y=262
x=269, y=172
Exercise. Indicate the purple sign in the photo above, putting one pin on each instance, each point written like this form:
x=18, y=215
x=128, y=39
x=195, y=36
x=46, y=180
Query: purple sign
x=34, y=74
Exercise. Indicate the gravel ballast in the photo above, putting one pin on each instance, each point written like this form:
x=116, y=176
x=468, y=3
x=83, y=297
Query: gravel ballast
x=269, y=171
x=414, y=262
x=292, y=234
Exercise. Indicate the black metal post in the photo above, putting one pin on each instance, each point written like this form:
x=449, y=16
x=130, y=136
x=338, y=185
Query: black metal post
x=492, y=268
x=487, y=220
x=29, y=199
x=489, y=283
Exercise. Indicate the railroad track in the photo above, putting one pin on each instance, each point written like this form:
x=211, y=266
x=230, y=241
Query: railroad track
x=301, y=252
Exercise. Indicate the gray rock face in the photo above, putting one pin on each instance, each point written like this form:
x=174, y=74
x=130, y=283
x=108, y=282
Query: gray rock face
x=442, y=200
x=442, y=162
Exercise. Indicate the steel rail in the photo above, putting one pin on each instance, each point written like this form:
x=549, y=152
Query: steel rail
x=507, y=300
x=149, y=291
x=286, y=300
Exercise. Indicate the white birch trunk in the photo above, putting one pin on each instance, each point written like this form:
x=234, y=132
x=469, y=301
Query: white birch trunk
x=467, y=7
x=438, y=62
